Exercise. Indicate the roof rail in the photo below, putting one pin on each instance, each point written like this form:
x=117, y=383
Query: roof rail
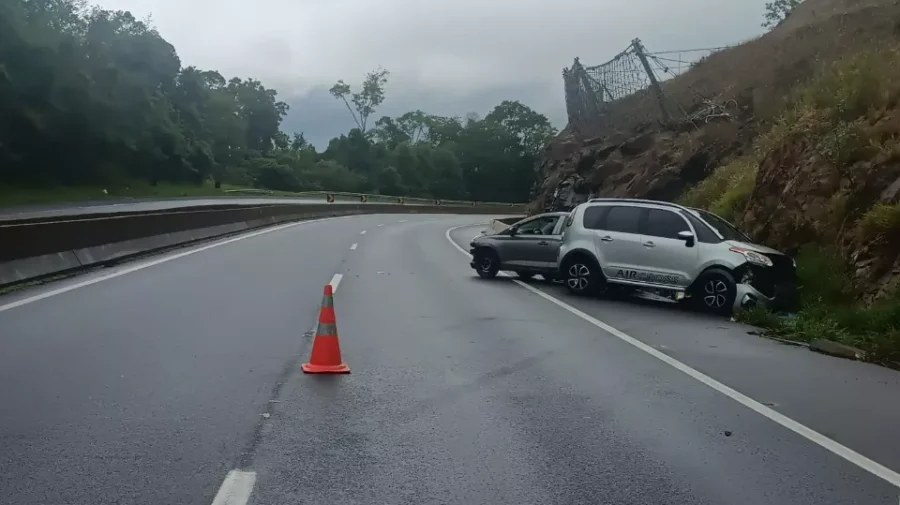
x=637, y=200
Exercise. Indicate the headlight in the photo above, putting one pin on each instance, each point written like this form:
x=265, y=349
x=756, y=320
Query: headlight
x=753, y=256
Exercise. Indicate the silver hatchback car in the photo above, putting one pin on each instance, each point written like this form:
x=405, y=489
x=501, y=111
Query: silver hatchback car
x=527, y=247
x=680, y=252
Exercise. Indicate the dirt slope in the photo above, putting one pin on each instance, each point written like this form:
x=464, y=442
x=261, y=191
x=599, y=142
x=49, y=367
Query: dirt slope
x=759, y=74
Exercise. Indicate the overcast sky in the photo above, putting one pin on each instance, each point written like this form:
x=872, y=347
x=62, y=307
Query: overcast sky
x=446, y=57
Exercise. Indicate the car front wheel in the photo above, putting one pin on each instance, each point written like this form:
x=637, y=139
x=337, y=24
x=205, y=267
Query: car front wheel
x=715, y=291
x=487, y=264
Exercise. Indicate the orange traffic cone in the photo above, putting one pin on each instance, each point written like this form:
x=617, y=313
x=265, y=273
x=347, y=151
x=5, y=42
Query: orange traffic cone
x=326, y=351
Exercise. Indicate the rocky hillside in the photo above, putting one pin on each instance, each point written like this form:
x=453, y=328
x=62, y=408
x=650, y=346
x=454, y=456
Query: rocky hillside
x=761, y=82
x=807, y=161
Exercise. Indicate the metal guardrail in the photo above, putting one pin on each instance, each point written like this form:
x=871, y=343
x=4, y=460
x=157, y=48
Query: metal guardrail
x=371, y=197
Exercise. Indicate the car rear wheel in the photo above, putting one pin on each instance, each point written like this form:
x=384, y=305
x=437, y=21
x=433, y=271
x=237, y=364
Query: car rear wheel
x=487, y=264
x=582, y=277
x=715, y=291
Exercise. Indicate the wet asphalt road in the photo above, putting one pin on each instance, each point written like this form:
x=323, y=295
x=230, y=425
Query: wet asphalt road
x=148, y=388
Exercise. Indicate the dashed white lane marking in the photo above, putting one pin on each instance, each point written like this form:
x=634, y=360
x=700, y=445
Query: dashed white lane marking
x=236, y=488
x=362, y=232
x=403, y=220
x=845, y=452
x=380, y=225
x=135, y=268
x=335, y=282
x=353, y=247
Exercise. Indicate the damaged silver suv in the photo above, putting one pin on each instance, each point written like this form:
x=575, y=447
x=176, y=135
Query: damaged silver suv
x=679, y=252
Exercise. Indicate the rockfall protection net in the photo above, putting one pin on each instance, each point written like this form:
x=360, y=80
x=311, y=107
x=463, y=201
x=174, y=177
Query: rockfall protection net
x=590, y=89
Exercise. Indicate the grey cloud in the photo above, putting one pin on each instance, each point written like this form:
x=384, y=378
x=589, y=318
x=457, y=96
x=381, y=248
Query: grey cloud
x=444, y=57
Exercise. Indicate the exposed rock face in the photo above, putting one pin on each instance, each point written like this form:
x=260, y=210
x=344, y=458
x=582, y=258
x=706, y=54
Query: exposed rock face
x=652, y=164
x=801, y=198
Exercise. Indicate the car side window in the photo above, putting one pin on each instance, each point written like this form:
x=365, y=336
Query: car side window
x=537, y=226
x=704, y=234
x=594, y=217
x=557, y=228
x=623, y=219
x=664, y=224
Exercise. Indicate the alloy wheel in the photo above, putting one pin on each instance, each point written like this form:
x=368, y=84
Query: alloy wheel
x=579, y=277
x=715, y=294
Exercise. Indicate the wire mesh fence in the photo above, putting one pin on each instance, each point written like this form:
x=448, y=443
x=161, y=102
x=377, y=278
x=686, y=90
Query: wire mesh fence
x=590, y=91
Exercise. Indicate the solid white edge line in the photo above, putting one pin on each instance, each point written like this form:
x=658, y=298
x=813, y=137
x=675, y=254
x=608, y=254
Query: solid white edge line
x=817, y=438
x=353, y=246
x=141, y=266
x=362, y=232
x=335, y=282
x=236, y=488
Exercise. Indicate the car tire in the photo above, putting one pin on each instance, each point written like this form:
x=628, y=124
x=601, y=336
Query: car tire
x=525, y=275
x=582, y=276
x=715, y=291
x=487, y=264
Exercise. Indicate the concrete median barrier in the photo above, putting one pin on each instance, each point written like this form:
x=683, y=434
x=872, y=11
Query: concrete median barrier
x=35, y=248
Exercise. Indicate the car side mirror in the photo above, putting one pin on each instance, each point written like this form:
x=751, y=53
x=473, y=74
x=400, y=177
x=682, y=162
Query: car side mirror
x=512, y=231
x=688, y=238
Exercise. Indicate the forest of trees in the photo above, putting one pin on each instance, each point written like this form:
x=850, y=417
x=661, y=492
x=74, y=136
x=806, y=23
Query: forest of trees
x=90, y=96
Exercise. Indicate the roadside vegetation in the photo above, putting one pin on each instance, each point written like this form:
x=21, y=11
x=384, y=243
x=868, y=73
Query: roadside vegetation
x=843, y=120
x=92, y=99
x=828, y=311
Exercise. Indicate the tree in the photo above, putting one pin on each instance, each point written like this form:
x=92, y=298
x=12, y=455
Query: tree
x=532, y=129
x=388, y=132
x=261, y=111
x=444, y=130
x=367, y=100
x=95, y=96
x=778, y=10
x=299, y=142
x=415, y=125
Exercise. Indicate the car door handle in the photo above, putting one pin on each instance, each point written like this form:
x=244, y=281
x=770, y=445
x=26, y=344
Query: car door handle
x=606, y=238
x=649, y=244
x=543, y=242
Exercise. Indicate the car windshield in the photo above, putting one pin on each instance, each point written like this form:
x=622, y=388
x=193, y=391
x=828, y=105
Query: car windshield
x=726, y=229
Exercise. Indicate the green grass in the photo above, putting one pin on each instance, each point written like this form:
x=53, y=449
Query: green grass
x=829, y=310
x=844, y=116
x=879, y=221
x=726, y=190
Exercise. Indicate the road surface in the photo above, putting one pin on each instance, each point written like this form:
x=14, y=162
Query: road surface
x=147, y=383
